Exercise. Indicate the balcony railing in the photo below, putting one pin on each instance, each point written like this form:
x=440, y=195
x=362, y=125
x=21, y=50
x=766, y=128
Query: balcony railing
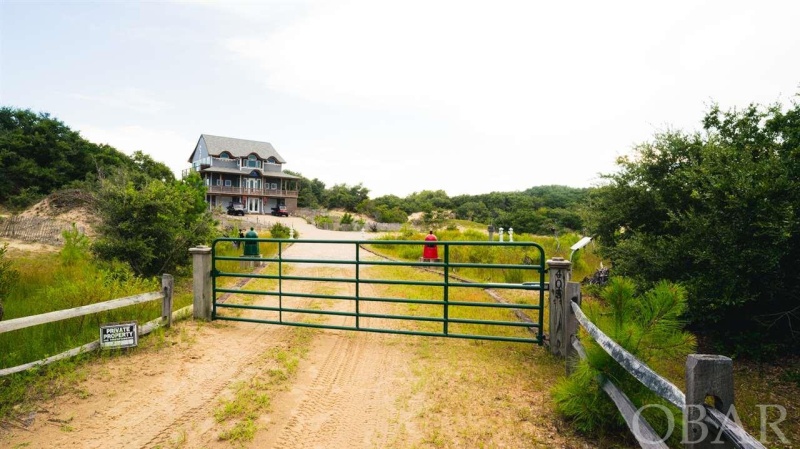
x=283, y=193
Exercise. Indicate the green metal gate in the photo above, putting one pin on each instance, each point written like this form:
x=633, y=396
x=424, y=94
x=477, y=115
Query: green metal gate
x=447, y=307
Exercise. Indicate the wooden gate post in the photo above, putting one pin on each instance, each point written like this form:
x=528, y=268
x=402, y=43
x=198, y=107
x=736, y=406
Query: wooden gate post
x=706, y=375
x=167, y=286
x=560, y=272
x=201, y=282
x=571, y=325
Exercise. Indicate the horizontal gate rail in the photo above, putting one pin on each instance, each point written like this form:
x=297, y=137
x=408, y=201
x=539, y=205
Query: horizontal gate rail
x=355, y=304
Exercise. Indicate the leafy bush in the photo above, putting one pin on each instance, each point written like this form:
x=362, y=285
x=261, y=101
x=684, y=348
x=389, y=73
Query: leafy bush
x=718, y=212
x=281, y=231
x=648, y=326
x=153, y=226
x=323, y=222
x=346, y=219
x=7, y=276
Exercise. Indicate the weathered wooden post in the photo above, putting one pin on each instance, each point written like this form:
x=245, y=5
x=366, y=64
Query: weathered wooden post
x=571, y=324
x=201, y=284
x=706, y=375
x=559, y=304
x=167, y=286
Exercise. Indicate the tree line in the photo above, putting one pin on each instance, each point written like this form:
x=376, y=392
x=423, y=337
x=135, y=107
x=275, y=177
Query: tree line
x=537, y=210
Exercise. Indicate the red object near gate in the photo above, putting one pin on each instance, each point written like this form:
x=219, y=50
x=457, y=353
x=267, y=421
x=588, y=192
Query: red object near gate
x=430, y=251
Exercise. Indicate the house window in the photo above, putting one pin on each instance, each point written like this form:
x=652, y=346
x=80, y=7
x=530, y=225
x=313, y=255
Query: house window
x=272, y=160
x=252, y=161
x=274, y=186
x=224, y=155
x=227, y=183
x=219, y=182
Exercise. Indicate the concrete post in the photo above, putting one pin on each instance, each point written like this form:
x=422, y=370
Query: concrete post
x=500, y=234
x=560, y=270
x=167, y=286
x=571, y=325
x=201, y=285
x=706, y=375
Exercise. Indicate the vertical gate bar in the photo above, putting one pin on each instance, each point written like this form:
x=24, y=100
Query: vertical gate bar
x=358, y=268
x=541, y=298
x=280, y=282
x=446, y=286
x=213, y=280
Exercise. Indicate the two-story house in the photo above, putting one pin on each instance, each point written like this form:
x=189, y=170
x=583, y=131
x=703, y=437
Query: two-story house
x=243, y=171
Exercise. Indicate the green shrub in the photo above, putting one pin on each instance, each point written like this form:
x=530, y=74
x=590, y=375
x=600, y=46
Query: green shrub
x=152, y=226
x=76, y=247
x=323, y=222
x=7, y=276
x=648, y=326
x=279, y=231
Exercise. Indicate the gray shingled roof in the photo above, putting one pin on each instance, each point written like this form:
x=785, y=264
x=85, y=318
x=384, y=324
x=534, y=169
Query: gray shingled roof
x=240, y=147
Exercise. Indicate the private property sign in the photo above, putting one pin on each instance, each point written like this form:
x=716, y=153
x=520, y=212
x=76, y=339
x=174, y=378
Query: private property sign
x=119, y=335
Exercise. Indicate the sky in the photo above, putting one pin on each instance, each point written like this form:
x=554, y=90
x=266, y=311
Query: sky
x=464, y=96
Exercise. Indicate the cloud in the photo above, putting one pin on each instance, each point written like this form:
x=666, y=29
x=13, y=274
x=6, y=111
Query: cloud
x=131, y=98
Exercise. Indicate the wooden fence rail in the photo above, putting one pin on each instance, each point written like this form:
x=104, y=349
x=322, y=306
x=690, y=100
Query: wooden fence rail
x=706, y=374
x=167, y=315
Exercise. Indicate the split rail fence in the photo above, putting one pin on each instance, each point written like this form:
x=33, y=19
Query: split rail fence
x=706, y=375
x=167, y=315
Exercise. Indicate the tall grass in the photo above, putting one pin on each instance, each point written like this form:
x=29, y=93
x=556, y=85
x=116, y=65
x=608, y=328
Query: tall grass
x=50, y=282
x=47, y=284
x=585, y=261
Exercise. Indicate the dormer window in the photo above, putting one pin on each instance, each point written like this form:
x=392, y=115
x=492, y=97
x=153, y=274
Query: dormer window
x=252, y=161
x=224, y=155
x=272, y=160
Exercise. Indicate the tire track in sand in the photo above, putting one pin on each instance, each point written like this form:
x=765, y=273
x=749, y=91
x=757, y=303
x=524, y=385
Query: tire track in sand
x=348, y=393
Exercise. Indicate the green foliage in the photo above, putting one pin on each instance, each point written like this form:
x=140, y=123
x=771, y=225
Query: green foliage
x=311, y=193
x=346, y=219
x=152, y=227
x=541, y=210
x=151, y=169
x=434, y=219
x=647, y=326
x=76, y=247
x=7, y=274
x=718, y=212
x=323, y=221
x=39, y=154
x=345, y=197
x=281, y=231
x=382, y=214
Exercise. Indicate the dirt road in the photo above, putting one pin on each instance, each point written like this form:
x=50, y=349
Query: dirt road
x=319, y=389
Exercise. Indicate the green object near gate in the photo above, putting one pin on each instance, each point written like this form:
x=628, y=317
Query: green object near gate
x=250, y=247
